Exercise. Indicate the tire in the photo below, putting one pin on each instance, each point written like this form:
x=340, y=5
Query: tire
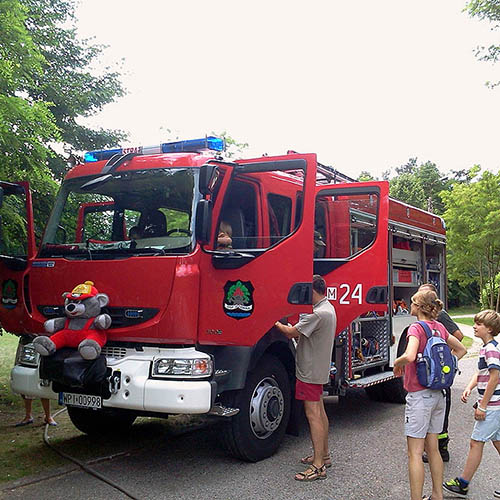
x=393, y=391
x=101, y=422
x=257, y=430
x=375, y=393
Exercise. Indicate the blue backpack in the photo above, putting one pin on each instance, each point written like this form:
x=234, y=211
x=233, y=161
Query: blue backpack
x=436, y=365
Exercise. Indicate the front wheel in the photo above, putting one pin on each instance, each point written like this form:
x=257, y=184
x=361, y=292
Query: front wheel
x=257, y=430
x=101, y=422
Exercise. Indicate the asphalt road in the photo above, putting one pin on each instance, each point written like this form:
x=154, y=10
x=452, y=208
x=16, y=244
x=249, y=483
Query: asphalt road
x=368, y=451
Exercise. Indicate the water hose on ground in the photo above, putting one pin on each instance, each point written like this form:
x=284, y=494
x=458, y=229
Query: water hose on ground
x=82, y=465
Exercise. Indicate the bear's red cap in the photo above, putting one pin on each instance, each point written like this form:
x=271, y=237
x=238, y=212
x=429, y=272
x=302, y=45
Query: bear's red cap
x=83, y=291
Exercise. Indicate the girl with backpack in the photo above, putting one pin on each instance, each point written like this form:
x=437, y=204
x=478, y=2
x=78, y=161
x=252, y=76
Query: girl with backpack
x=425, y=407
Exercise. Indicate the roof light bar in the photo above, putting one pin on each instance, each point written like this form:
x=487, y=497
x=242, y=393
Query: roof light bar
x=209, y=143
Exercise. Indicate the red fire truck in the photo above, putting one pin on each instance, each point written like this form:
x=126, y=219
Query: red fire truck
x=192, y=324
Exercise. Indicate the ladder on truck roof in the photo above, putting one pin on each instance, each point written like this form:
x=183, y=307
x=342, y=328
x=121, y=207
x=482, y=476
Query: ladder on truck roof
x=327, y=174
x=330, y=174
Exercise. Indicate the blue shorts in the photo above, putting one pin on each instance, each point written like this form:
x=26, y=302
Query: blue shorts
x=487, y=429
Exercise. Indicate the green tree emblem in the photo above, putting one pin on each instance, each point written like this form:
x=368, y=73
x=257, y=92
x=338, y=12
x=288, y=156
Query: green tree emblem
x=238, y=294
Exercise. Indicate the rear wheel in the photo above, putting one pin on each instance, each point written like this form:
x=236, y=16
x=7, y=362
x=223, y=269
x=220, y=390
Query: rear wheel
x=101, y=422
x=257, y=430
x=393, y=391
x=374, y=392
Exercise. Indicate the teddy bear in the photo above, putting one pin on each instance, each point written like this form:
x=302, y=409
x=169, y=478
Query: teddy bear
x=84, y=327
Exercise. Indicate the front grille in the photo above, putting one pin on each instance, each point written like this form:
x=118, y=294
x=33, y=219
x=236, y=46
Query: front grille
x=121, y=317
x=114, y=352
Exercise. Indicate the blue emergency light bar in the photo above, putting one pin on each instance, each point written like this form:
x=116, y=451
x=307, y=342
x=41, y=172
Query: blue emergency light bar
x=209, y=143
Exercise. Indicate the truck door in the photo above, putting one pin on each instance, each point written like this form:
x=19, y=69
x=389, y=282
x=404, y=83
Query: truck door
x=17, y=249
x=352, y=222
x=261, y=277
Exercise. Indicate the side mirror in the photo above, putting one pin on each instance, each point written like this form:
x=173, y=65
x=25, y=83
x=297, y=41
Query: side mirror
x=209, y=174
x=203, y=222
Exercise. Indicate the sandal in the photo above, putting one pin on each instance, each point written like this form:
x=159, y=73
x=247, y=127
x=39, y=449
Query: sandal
x=51, y=422
x=24, y=422
x=327, y=461
x=312, y=473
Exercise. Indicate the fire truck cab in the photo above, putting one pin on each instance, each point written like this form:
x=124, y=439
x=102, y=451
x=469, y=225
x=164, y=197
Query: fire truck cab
x=193, y=321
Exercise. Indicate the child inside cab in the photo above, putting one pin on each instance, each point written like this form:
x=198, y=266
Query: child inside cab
x=224, y=237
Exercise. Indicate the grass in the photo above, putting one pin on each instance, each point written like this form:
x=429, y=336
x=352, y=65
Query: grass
x=8, y=346
x=467, y=342
x=465, y=321
x=458, y=311
x=23, y=451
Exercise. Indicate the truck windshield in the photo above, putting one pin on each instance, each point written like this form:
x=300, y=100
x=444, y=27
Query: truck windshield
x=145, y=212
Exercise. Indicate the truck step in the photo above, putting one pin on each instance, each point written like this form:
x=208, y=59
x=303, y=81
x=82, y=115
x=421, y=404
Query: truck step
x=223, y=411
x=222, y=375
x=371, y=380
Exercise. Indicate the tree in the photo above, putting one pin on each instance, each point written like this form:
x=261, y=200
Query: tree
x=472, y=216
x=67, y=80
x=26, y=123
x=233, y=147
x=406, y=187
x=365, y=176
x=45, y=85
x=486, y=10
x=420, y=186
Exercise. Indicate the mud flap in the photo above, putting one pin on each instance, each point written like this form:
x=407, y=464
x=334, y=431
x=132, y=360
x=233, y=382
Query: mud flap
x=297, y=416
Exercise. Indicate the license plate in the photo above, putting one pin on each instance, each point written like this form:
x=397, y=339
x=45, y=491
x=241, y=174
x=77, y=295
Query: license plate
x=81, y=400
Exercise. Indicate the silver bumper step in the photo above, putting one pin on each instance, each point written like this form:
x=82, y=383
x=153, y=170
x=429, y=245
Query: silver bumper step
x=371, y=380
x=223, y=411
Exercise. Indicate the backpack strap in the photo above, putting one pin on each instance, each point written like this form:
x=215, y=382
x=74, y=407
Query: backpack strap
x=426, y=328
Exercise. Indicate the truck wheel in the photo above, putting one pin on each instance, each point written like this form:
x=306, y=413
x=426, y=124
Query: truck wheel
x=393, y=391
x=101, y=422
x=257, y=430
x=375, y=392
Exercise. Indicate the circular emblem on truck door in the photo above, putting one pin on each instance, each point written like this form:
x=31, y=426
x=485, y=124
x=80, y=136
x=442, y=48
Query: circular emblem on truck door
x=238, y=299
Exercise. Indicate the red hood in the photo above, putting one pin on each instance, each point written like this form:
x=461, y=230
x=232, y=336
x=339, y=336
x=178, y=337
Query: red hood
x=168, y=285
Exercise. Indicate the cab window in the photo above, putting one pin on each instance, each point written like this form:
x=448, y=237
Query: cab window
x=239, y=216
x=13, y=235
x=280, y=214
x=347, y=224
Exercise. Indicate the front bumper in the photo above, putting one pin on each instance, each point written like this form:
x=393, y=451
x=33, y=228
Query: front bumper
x=138, y=391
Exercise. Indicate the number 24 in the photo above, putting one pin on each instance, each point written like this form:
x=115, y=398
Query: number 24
x=355, y=295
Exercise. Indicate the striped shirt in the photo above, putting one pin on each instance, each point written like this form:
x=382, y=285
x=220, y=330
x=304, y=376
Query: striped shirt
x=489, y=359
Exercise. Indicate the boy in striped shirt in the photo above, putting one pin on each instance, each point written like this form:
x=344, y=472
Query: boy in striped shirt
x=487, y=407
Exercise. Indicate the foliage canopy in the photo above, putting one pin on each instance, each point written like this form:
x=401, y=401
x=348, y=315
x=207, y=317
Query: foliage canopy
x=46, y=84
x=473, y=226
x=487, y=10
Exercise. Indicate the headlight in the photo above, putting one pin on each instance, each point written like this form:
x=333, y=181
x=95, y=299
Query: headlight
x=178, y=368
x=27, y=356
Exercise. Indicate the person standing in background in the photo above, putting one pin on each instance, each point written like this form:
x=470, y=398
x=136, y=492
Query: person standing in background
x=28, y=402
x=453, y=329
x=487, y=406
x=28, y=417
